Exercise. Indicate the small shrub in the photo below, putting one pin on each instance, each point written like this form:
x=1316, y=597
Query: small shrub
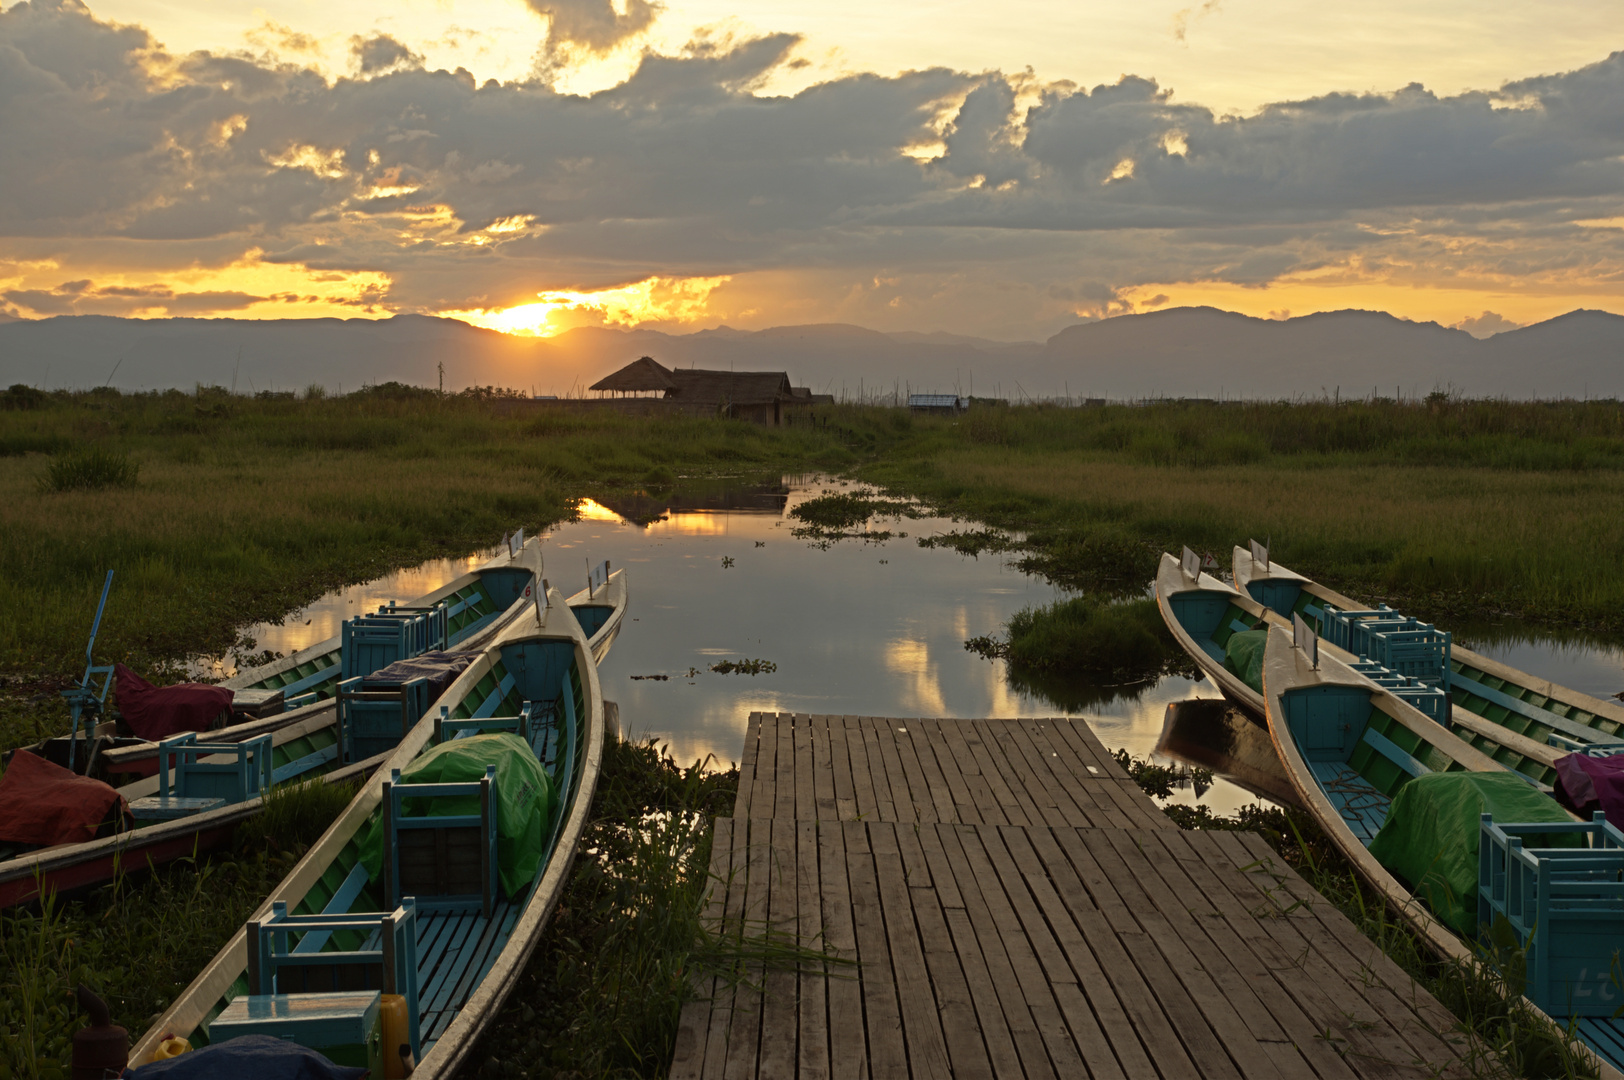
x=89, y=470
x=315, y=392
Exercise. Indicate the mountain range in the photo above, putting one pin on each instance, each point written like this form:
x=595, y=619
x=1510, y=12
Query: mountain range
x=1181, y=352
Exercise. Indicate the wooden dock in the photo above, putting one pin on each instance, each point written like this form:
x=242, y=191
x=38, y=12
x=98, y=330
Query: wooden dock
x=1017, y=907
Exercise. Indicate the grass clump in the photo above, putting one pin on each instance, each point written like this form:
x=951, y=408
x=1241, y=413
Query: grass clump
x=1118, y=641
x=89, y=470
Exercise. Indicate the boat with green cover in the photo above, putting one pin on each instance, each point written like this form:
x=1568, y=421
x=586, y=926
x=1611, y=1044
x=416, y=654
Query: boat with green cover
x=1216, y=625
x=1437, y=827
x=434, y=885
x=1523, y=721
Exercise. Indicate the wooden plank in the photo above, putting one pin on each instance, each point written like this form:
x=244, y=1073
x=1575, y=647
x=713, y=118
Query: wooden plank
x=883, y=749
x=840, y=761
x=1070, y=806
x=1021, y=867
x=1194, y=1005
x=966, y=1046
x=779, y=1028
x=747, y=767
x=921, y=1015
x=923, y=737
x=1089, y=749
x=824, y=750
x=848, y=1050
x=888, y=1056
x=813, y=1003
x=1010, y=756
x=693, y=1023
x=721, y=1023
x=806, y=767
x=885, y=804
x=1007, y=794
x=744, y=1036
x=970, y=790
x=1102, y=918
x=1362, y=981
x=920, y=796
x=783, y=804
x=1289, y=1000
x=1028, y=1004
x=867, y=798
x=1241, y=1022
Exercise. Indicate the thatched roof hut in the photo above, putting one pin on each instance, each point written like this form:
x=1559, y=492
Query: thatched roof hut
x=641, y=376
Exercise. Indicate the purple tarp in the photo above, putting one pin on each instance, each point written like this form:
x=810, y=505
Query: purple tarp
x=1587, y=784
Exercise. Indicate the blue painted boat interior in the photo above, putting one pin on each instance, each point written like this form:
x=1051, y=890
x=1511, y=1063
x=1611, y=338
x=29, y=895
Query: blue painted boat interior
x=505, y=584
x=1199, y=611
x=1279, y=596
x=592, y=617
x=538, y=667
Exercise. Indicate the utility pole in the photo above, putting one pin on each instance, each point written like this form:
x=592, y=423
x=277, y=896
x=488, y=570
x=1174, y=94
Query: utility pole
x=442, y=378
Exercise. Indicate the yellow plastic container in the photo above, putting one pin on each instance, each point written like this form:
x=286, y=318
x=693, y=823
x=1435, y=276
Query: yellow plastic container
x=171, y=1047
x=397, y=1032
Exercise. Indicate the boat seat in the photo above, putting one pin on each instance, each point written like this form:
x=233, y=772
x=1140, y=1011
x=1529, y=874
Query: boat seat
x=373, y=719
x=230, y=772
x=170, y=807
x=386, y=961
x=1595, y=749
x=446, y=728
x=448, y=862
x=1573, y=728
x=1390, y=750
x=299, y=766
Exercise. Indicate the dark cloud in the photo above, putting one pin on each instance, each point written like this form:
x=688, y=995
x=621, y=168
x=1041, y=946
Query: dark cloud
x=594, y=25
x=84, y=297
x=953, y=185
x=380, y=53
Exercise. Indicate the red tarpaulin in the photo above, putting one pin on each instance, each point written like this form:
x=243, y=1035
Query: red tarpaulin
x=45, y=804
x=1587, y=784
x=155, y=712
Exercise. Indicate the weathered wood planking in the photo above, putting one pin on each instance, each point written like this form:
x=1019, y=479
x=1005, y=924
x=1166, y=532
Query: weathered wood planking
x=1002, y=772
x=1018, y=908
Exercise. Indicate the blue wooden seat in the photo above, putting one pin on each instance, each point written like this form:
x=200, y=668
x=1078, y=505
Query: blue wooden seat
x=446, y=728
x=386, y=959
x=370, y=642
x=1565, y=905
x=194, y=777
x=1529, y=711
x=448, y=862
x=373, y=717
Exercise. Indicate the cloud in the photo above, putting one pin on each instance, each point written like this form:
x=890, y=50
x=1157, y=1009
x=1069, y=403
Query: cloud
x=381, y=53
x=594, y=26
x=1181, y=18
x=84, y=297
x=975, y=193
x=1486, y=325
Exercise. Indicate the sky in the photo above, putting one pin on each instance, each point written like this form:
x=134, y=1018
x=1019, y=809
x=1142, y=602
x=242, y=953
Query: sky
x=999, y=170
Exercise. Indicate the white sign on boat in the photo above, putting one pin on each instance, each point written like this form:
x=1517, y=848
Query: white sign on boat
x=1260, y=554
x=1191, y=564
x=1304, y=638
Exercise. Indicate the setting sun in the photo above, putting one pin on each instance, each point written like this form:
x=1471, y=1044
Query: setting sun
x=654, y=300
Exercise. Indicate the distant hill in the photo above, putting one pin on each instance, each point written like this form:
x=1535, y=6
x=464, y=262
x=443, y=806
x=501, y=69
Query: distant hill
x=1182, y=352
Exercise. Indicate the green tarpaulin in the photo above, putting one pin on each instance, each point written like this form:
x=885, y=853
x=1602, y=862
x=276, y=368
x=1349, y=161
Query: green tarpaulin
x=1430, y=837
x=1243, y=655
x=524, y=801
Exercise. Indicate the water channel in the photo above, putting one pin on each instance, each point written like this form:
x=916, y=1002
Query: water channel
x=865, y=627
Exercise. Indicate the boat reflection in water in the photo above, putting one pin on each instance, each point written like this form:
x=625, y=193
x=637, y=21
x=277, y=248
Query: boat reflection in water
x=1217, y=735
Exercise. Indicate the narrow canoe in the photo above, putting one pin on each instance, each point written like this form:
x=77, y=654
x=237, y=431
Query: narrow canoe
x=1504, y=712
x=600, y=610
x=304, y=745
x=1349, y=786
x=545, y=662
x=1202, y=614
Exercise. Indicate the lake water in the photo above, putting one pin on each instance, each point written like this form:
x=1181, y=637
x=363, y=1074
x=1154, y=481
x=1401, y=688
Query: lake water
x=854, y=626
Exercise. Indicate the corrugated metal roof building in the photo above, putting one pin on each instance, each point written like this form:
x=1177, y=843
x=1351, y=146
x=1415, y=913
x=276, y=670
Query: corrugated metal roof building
x=761, y=396
x=938, y=403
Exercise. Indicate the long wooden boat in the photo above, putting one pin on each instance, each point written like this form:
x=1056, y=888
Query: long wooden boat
x=457, y=957
x=1348, y=746
x=305, y=749
x=1502, y=711
x=1202, y=613
x=600, y=608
